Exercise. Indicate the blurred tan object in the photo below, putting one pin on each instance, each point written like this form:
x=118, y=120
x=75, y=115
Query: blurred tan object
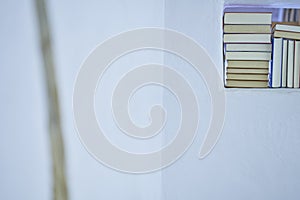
x=55, y=130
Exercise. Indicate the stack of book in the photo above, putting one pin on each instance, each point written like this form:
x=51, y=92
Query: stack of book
x=247, y=45
x=286, y=56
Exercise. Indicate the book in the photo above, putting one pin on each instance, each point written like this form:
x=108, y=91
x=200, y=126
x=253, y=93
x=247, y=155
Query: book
x=249, y=47
x=247, y=38
x=248, y=64
x=285, y=23
x=247, y=71
x=248, y=55
x=259, y=77
x=240, y=28
x=287, y=35
x=247, y=18
x=276, y=64
x=296, y=64
x=246, y=83
x=290, y=63
x=289, y=28
x=284, y=64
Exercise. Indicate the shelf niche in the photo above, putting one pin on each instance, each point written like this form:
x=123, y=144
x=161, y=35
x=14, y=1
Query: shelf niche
x=281, y=12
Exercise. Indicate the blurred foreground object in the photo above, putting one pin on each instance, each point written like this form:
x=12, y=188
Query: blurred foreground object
x=55, y=131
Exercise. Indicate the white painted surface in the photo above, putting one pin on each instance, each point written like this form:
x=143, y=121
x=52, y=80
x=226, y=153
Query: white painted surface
x=24, y=159
x=257, y=156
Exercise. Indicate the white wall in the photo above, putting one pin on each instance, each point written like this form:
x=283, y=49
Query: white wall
x=257, y=156
x=77, y=28
x=24, y=158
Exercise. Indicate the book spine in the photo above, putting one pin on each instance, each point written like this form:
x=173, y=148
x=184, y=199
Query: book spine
x=290, y=64
x=287, y=35
x=249, y=47
x=276, y=65
x=230, y=55
x=289, y=28
x=248, y=18
x=296, y=64
x=284, y=64
x=247, y=38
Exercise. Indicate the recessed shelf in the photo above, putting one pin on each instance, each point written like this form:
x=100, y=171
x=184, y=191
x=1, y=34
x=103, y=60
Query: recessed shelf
x=271, y=90
x=277, y=10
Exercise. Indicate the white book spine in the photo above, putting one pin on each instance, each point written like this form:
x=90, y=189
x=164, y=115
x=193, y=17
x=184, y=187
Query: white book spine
x=276, y=66
x=284, y=64
x=249, y=47
x=248, y=18
x=296, y=64
x=247, y=38
x=283, y=27
x=290, y=64
x=231, y=55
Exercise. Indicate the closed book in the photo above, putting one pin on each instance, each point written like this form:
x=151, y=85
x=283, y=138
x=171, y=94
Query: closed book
x=290, y=64
x=246, y=84
x=287, y=35
x=247, y=38
x=248, y=64
x=259, y=77
x=296, y=64
x=276, y=64
x=247, y=18
x=289, y=28
x=249, y=47
x=248, y=55
x=247, y=71
x=284, y=64
x=247, y=28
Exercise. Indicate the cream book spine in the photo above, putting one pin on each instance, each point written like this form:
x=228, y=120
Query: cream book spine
x=290, y=64
x=296, y=64
x=276, y=65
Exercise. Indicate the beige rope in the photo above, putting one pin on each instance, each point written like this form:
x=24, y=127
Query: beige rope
x=55, y=130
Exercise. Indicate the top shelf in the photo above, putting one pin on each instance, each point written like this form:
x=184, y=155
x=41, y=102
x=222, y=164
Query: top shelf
x=263, y=4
